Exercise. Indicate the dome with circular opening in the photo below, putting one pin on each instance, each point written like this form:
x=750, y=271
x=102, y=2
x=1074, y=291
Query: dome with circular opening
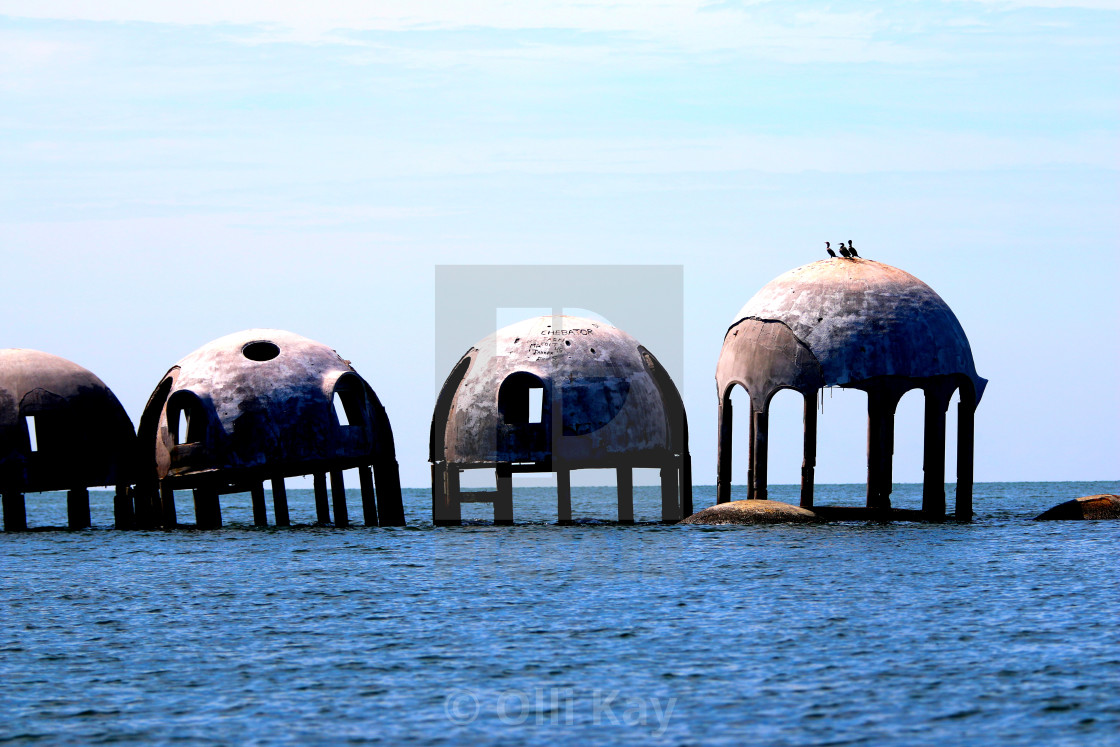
x=262, y=404
x=261, y=350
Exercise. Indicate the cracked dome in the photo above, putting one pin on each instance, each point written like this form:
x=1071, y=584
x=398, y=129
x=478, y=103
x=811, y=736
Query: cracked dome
x=845, y=322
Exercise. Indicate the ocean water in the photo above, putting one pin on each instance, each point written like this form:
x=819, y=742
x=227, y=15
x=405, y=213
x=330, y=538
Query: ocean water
x=1003, y=631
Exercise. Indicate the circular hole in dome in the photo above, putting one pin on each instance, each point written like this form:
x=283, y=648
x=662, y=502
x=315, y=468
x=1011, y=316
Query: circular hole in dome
x=592, y=350
x=567, y=342
x=261, y=350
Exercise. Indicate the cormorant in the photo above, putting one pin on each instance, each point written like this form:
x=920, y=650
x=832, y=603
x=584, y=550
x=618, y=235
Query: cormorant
x=852, y=249
x=828, y=248
x=844, y=252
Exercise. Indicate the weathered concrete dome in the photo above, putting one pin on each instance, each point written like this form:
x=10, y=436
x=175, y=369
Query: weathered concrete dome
x=843, y=321
x=555, y=394
x=603, y=395
x=262, y=399
x=82, y=435
x=861, y=324
x=259, y=405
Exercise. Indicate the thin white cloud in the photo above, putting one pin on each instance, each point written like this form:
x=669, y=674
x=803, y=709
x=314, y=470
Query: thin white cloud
x=244, y=163
x=763, y=29
x=621, y=15
x=655, y=17
x=1057, y=4
x=781, y=31
x=837, y=153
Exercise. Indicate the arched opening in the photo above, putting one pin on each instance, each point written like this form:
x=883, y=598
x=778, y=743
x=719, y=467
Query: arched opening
x=741, y=441
x=841, y=475
x=51, y=431
x=32, y=433
x=521, y=399
x=186, y=419
x=952, y=434
x=951, y=429
x=909, y=449
x=787, y=440
x=349, y=402
x=524, y=420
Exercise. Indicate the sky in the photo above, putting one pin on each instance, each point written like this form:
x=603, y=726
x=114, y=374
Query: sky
x=173, y=172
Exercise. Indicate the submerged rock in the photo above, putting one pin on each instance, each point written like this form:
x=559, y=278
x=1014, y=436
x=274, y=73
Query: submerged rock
x=1103, y=506
x=752, y=512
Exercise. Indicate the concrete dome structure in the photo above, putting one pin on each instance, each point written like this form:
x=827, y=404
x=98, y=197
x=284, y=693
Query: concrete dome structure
x=553, y=394
x=266, y=404
x=61, y=428
x=859, y=324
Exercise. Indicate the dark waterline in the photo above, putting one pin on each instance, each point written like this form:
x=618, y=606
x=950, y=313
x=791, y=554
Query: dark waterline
x=1003, y=631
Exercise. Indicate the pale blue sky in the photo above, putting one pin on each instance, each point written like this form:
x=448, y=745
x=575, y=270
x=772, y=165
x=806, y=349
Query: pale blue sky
x=172, y=172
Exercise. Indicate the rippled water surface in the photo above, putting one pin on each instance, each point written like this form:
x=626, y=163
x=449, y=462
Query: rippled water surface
x=1004, y=631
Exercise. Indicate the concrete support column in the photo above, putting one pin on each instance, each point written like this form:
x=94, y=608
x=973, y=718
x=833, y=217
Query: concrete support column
x=280, y=502
x=322, y=507
x=15, y=512
x=143, y=510
x=881, y=404
x=390, y=503
x=207, y=508
x=724, y=462
x=624, y=476
x=446, y=509
x=503, y=501
x=169, y=517
x=123, y=517
x=563, y=496
x=751, y=454
x=686, y=484
x=966, y=435
x=146, y=505
x=338, y=494
x=369, y=496
x=760, y=451
x=670, y=499
x=260, y=513
x=933, y=451
x=809, y=450
x=77, y=508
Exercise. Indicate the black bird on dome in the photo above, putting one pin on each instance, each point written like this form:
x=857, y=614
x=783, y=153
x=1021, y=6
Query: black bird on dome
x=852, y=249
x=828, y=248
x=844, y=252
